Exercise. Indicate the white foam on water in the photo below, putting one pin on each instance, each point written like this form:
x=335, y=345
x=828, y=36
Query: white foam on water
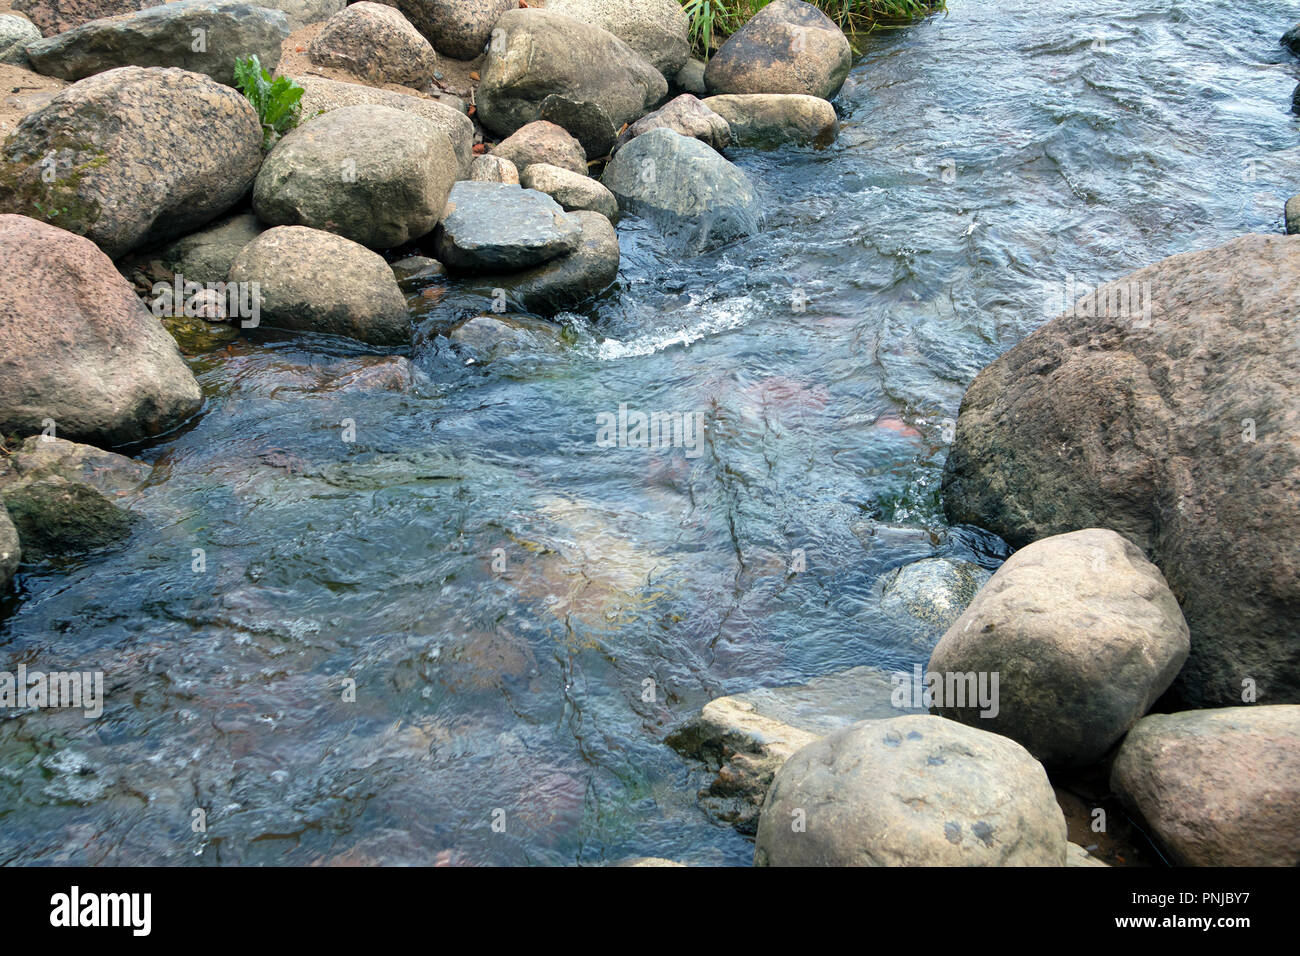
x=721, y=317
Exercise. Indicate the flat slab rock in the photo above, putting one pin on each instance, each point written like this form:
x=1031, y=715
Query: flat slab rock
x=744, y=739
x=500, y=227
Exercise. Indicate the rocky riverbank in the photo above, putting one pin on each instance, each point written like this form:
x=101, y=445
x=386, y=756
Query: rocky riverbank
x=1139, y=648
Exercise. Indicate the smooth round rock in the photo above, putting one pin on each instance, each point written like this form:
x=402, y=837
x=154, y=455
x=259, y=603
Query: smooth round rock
x=499, y=227
x=376, y=43
x=571, y=190
x=914, y=790
x=787, y=47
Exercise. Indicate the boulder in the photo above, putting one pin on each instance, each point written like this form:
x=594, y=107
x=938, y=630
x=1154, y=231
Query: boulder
x=129, y=157
x=690, y=78
x=787, y=47
x=587, y=122
x=15, y=34
x=567, y=281
x=1292, y=215
x=1163, y=406
x=499, y=227
x=459, y=29
x=372, y=174
x=543, y=53
x=11, y=552
x=78, y=348
x=1290, y=39
x=543, y=142
x=934, y=591
x=64, y=498
x=657, y=29
x=314, y=281
x=693, y=195
x=206, y=256
x=58, y=16
x=571, y=190
x=322, y=96
x=496, y=337
x=1217, y=787
x=914, y=790
x=1084, y=636
x=744, y=739
x=1295, y=99
x=376, y=43
x=685, y=115
x=772, y=119
x=493, y=169
x=165, y=36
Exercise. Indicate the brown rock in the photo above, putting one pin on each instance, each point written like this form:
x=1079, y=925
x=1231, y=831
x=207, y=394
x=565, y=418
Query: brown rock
x=1218, y=787
x=456, y=28
x=1176, y=427
x=77, y=346
x=58, y=16
x=375, y=42
x=686, y=115
x=787, y=47
x=543, y=142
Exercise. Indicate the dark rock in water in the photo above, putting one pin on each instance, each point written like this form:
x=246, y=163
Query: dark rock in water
x=11, y=552
x=915, y=790
x=500, y=227
x=686, y=115
x=106, y=370
x=935, y=591
x=456, y=28
x=133, y=157
x=315, y=281
x=564, y=282
x=1164, y=406
x=62, y=496
x=694, y=196
x=163, y=36
x=1291, y=39
x=1084, y=636
x=584, y=120
x=544, y=53
x=1295, y=100
x=493, y=337
x=787, y=47
x=1217, y=787
x=543, y=142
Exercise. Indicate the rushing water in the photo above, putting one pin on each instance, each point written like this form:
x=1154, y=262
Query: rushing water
x=982, y=155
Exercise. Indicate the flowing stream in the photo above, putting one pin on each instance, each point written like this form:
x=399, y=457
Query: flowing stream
x=500, y=588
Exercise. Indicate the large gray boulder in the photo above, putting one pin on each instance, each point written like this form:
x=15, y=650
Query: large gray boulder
x=683, y=114
x=657, y=29
x=322, y=96
x=165, y=36
x=77, y=347
x=1084, y=636
x=541, y=53
x=314, y=281
x=787, y=47
x=911, y=791
x=1217, y=787
x=456, y=28
x=59, y=16
x=373, y=174
x=694, y=196
x=565, y=282
x=66, y=498
x=126, y=158
x=376, y=43
x=1175, y=426
x=15, y=34
x=499, y=227
x=773, y=119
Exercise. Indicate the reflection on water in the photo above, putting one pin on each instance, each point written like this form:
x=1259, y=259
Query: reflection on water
x=473, y=612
